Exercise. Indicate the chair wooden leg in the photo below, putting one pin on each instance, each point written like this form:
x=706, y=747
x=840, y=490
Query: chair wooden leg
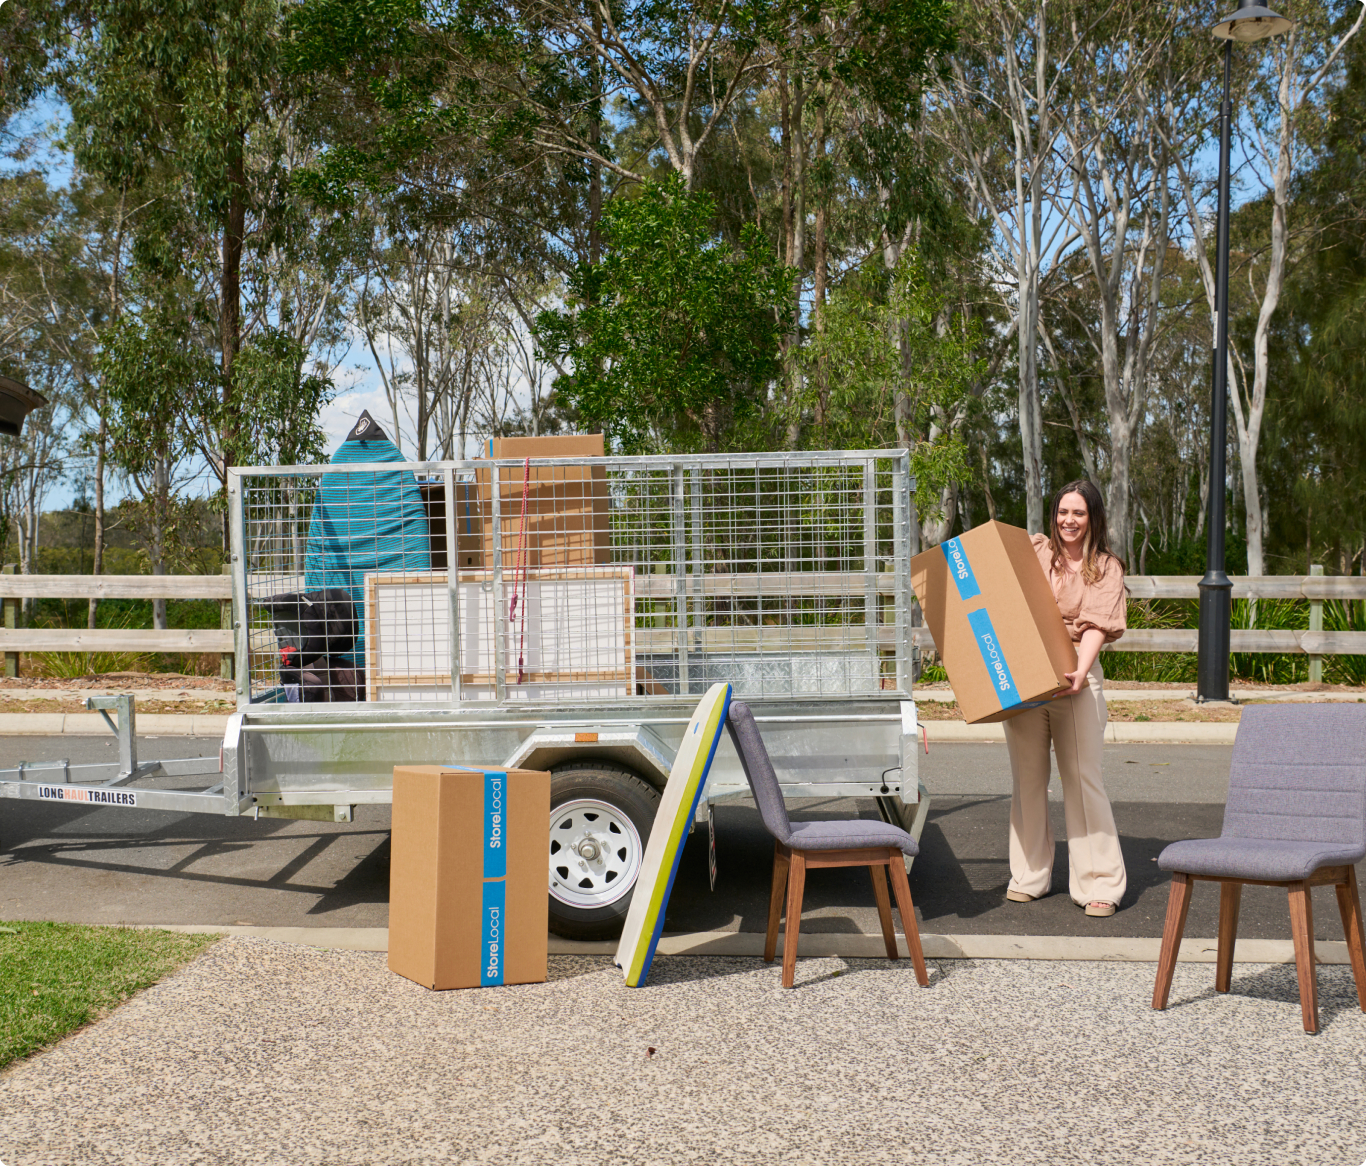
x=1230, y=899
x=1349, y=906
x=878, y=873
x=1302, y=931
x=901, y=887
x=782, y=859
x=1178, y=904
x=796, y=887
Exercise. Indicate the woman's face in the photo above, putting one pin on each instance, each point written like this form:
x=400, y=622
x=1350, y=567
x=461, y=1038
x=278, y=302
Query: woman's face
x=1072, y=521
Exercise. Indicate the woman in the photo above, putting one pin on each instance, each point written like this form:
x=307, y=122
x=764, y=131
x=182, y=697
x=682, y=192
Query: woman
x=1088, y=583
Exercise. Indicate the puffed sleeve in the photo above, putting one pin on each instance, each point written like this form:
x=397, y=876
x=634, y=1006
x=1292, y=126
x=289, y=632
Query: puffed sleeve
x=1104, y=605
x=1043, y=550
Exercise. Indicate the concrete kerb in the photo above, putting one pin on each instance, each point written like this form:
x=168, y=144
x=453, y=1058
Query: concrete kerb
x=844, y=946
x=92, y=724
x=1116, y=732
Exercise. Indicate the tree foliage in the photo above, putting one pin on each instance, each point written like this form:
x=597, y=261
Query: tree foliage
x=672, y=338
x=890, y=368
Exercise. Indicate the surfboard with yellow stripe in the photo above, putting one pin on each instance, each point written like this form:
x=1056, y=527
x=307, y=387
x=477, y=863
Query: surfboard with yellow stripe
x=678, y=806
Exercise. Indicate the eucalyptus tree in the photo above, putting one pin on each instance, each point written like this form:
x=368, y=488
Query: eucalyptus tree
x=181, y=99
x=1315, y=436
x=32, y=36
x=150, y=364
x=894, y=374
x=58, y=254
x=1288, y=82
x=1125, y=106
x=431, y=312
x=671, y=341
x=998, y=113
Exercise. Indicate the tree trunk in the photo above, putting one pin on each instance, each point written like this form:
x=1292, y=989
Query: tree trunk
x=1027, y=395
x=102, y=405
x=230, y=315
x=794, y=160
x=101, y=444
x=595, y=136
x=822, y=261
x=1249, y=407
x=161, y=502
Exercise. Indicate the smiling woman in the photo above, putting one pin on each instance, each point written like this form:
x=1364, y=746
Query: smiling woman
x=1088, y=584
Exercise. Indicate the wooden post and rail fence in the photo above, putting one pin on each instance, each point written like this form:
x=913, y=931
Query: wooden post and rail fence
x=1314, y=642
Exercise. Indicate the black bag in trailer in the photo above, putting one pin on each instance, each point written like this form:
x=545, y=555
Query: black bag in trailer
x=312, y=626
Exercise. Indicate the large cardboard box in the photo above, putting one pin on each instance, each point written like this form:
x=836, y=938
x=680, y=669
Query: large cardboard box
x=996, y=625
x=469, y=525
x=468, y=904
x=566, y=506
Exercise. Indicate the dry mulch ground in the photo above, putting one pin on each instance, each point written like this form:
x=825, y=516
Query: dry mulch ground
x=115, y=682
x=183, y=694
x=194, y=703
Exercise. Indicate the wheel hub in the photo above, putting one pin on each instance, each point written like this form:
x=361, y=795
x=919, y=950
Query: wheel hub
x=595, y=853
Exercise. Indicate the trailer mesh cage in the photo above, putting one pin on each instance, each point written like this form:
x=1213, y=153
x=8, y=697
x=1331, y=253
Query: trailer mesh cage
x=598, y=580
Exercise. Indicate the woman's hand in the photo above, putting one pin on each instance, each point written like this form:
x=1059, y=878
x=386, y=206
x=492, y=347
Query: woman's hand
x=1092, y=640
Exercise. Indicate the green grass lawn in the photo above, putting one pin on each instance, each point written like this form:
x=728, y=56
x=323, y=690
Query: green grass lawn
x=55, y=977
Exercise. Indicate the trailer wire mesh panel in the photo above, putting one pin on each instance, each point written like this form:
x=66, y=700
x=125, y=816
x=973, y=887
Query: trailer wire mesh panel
x=584, y=580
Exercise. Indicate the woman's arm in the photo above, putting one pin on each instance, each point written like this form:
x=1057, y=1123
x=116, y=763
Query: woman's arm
x=1091, y=641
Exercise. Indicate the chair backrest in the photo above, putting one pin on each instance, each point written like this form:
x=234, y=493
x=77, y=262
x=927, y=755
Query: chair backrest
x=759, y=771
x=1299, y=774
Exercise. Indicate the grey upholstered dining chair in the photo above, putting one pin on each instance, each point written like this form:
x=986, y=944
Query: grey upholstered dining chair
x=831, y=843
x=1295, y=818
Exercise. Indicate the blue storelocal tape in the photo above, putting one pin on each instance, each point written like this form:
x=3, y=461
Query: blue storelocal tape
x=495, y=824
x=961, y=569
x=492, y=921
x=994, y=658
x=491, y=929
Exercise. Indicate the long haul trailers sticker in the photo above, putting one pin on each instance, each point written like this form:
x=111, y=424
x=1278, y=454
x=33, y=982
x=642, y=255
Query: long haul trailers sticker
x=78, y=793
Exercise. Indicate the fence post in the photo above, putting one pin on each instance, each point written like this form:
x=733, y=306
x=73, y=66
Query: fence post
x=1315, y=625
x=11, y=614
x=228, y=659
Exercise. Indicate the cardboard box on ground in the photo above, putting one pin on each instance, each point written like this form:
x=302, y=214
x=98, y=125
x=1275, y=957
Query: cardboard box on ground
x=996, y=625
x=565, y=506
x=467, y=876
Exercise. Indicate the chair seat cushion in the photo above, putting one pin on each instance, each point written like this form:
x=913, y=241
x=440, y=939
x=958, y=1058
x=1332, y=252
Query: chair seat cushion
x=850, y=834
x=1255, y=858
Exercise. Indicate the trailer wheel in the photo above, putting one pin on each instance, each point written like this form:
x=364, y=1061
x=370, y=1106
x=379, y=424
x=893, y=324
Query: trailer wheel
x=600, y=819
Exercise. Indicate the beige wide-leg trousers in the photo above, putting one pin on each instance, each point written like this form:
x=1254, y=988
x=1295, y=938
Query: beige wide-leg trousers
x=1075, y=727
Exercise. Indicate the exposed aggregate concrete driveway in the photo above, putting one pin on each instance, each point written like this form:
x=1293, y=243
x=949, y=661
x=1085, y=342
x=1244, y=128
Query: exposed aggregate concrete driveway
x=262, y=1053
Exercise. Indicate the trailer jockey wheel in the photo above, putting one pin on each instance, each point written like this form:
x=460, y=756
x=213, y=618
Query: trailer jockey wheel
x=600, y=819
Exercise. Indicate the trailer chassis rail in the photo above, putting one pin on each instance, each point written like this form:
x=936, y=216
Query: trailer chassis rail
x=108, y=783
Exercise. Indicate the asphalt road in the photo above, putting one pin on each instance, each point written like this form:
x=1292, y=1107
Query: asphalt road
x=140, y=866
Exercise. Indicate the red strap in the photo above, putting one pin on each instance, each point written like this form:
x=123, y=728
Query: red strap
x=520, y=570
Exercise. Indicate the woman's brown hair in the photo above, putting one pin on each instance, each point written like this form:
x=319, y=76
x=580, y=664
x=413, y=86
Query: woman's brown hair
x=1096, y=542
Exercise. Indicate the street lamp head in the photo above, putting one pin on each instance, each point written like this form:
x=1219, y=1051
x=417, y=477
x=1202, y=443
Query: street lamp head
x=1251, y=22
x=16, y=402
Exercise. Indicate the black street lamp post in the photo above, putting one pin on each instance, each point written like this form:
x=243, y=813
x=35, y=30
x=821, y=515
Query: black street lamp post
x=1249, y=23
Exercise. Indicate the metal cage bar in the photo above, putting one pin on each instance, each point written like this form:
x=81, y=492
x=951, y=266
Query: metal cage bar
x=633, y=579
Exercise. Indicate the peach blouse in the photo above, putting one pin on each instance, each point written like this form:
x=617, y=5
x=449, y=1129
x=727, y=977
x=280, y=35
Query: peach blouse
x=1101, y=605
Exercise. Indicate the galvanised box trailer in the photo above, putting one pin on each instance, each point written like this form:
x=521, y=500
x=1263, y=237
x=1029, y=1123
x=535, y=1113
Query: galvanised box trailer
x=554, y=613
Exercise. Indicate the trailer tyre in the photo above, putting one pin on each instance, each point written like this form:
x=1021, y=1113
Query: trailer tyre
x=600, y=819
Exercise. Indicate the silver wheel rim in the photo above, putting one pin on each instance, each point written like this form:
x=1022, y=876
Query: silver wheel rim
x=595, y=853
